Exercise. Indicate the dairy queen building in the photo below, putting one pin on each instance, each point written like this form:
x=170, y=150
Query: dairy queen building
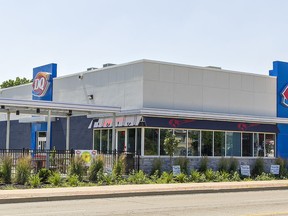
x=213, y=112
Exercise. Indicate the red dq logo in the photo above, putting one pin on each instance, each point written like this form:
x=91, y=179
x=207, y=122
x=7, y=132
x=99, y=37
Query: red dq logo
x=41, y=84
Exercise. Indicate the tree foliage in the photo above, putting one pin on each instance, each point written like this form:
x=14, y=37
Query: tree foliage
x=170, y=144
x=16, y=82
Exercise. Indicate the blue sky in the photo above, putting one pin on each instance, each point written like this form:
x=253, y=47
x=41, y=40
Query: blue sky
x=241, y=35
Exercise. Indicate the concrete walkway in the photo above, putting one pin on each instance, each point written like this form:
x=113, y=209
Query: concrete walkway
x=52, y=194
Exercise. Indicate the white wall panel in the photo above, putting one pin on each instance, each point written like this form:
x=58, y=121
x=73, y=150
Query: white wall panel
x=166, y=73
x=215, y=100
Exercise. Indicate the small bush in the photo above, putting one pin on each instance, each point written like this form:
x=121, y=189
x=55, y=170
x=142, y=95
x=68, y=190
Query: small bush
x=23, y=170
x=55, y=179
x=181, y=178
x=210, y=175
x=235, y=176
x=166, y=178
x=77, y=167
x=34, y=181
x=104, y=178
x=119, y=166
x=73, y=181
x=44, y=174
x=96, y=166
x=258, y=168
x=6, y=169
x=138, y=178
x=183, y=163
x=221, y=176
x=234, y=164
x=264, y=177
x=195, y=176
x=283, y=172
x=156, y=166
x=203, y=166
x=223, y=165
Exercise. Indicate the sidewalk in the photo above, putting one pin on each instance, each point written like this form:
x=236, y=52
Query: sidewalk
x=53, y=194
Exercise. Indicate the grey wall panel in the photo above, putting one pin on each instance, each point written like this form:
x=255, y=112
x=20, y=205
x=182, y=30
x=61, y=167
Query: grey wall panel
x=80, y=136
x=19, y=135
x=2, y=134
x=109, y=86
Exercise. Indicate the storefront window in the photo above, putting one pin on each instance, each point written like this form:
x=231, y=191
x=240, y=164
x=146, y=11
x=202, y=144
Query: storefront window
x=233, y=144
x=97, y=140
x=219, y=143
x=109, y=150
x=258, y=144
x=194, y=143
x=206, y=143
x=151, y=141
x=163, y=133
x=181, y=136
x=131, y=140
x=104, y=139
x=269, y=145
x=247, y=144
x=138, y=150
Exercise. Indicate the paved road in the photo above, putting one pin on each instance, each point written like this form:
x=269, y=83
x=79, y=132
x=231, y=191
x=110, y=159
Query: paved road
x=239, y=203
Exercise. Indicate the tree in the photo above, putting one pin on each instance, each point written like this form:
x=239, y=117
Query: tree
x=170, y=144
x=16, y=82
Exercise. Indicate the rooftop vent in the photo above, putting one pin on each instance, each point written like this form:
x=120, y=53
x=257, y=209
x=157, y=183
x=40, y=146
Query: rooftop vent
x=108, y=65
x=214, y=67
x=91, y=68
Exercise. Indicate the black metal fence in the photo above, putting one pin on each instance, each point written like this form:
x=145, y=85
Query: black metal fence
x=59, y=160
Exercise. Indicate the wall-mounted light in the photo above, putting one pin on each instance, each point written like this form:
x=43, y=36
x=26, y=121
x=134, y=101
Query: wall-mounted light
x=90, y=97
x=69, y=113
x=38, y=110
x=80, y=76
x=17, y=112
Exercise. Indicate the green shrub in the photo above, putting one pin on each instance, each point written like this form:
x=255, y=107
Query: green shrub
x=233, y=165
x=77, y=167
x=181, y=178
x=34, y=181
x=258, y=167
x=154, y=178
x=195, y=176
x=156, y=166
x=55, y=179
x=264, y=177
x=283, y=172
x=104, y=178
x=44, y=174
x=96, y=166
x=221, y=176
x=23, y=170
x=235, y=176
x=210, y=175
x=138, y=178
x=119, y=166
x=223, y=165
x=73, y=180
x=183, y=163
x=203, y=166
x=6, y=169
x=165, y=178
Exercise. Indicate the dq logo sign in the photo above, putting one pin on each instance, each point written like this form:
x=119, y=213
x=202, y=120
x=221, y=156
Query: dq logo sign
x=41, y=84
x=285, y=96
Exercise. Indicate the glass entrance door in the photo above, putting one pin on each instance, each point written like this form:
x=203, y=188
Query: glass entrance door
x=121, y=141
x=41, y=140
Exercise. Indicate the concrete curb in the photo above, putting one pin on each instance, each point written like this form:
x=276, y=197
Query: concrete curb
x=112, y=193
